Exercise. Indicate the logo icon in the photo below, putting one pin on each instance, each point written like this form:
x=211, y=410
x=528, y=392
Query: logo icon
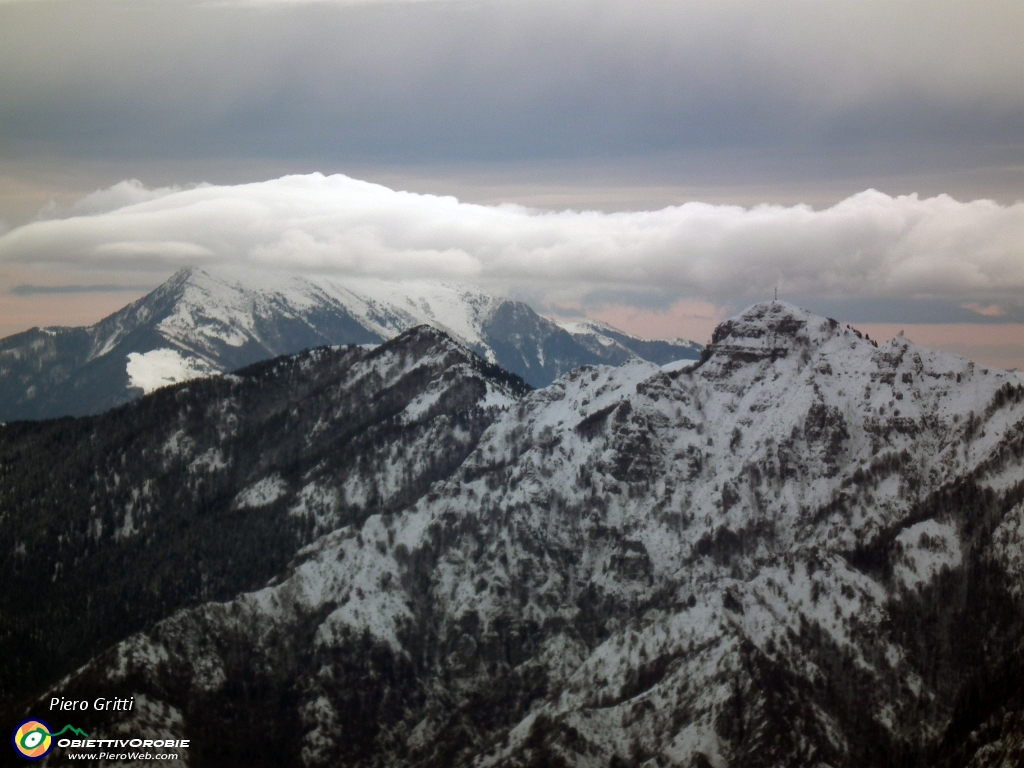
x=32, y=739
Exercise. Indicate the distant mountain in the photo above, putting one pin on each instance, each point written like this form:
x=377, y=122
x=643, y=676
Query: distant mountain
x=205, y=321
x=806, y=550
x=615, y=347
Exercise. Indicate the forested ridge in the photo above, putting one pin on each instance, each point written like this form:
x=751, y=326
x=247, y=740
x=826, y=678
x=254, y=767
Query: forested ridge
x=112, y=522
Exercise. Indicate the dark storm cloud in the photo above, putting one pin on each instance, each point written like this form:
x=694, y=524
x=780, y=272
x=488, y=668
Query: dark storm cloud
x=507, y=80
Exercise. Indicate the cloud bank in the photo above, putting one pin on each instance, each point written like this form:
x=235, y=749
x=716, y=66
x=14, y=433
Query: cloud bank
x=870, y=245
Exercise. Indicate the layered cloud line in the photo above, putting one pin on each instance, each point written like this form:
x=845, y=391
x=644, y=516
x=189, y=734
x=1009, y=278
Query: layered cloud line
x=869, y=245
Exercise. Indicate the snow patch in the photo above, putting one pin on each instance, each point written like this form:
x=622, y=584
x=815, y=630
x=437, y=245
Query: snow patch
x=677, y=365
x=209, y=461
x=927, y=548
x=423, y=403
x=496, y=398
x=149, y=371
x=260, y=494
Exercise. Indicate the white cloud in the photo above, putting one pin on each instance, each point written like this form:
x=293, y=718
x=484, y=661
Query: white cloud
x=869, y=245
x=991, y=310
x=121, y=195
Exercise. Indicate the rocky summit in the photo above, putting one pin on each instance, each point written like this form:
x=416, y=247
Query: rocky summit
x=805, y=549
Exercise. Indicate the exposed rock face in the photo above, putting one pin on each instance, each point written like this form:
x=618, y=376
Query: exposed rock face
x=213, y=321
x=805, y=550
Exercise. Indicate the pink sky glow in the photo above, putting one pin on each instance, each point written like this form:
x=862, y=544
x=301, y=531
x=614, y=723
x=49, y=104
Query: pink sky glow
x=996, y=345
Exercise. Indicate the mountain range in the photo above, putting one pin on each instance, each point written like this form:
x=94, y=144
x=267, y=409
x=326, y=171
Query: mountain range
x=803, y=549
x=207, y=321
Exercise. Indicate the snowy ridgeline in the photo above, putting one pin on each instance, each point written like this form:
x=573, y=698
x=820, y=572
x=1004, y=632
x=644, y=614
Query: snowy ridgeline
x=780, y=556
x=206, y=321
x=220, y=308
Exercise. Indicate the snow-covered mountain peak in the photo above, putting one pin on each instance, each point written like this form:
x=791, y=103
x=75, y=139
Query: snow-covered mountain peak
x=228, y=304
x=775, y=324
x=767, y=342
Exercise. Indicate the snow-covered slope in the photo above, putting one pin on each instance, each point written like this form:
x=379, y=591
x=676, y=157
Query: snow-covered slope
x=615, y=347
x=806, y=550
x=205, y=321
x=229, y=308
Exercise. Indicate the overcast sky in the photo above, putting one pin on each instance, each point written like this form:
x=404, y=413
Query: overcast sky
x=718, y=147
